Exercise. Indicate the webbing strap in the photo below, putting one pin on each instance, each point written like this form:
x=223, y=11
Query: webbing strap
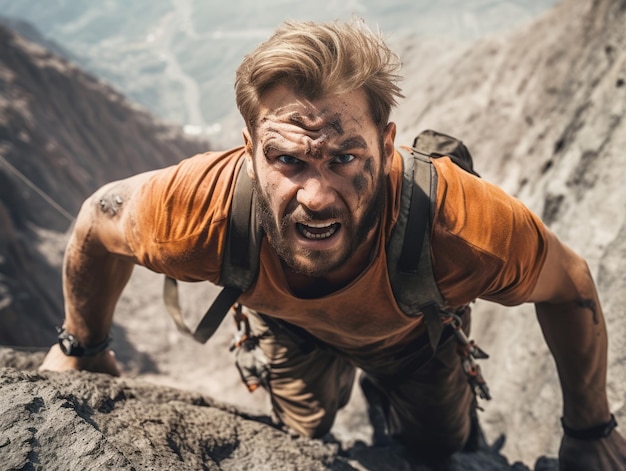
x=239, y=227
x=211, y=319
x=418, y=220
x=216, y=313
x=239, y=265
x=432, y=317
x=414, y=235
x=408, y=251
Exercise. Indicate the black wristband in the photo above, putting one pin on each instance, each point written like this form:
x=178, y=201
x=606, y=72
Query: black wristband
x=73, y=348
x=591, y=433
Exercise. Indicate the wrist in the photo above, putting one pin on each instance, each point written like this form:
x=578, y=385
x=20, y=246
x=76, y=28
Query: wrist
x=71, y=346
x=598, y=431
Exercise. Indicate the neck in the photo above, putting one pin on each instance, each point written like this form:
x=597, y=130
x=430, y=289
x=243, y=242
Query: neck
x=310, y=287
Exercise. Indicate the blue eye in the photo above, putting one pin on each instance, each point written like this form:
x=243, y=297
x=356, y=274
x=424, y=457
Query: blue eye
x=288, y=159
x=343, y=158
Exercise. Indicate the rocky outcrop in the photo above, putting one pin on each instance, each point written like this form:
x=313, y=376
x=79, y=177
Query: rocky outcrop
x=81, y=420
x=89, y=421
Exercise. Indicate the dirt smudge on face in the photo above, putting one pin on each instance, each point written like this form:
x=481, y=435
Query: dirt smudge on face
x=335, y=124
x=369, y=167
x=359, y=183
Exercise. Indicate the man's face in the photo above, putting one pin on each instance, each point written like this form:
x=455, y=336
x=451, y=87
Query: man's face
x=319, y=172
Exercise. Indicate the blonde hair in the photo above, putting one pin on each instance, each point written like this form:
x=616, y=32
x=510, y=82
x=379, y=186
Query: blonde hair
x=317, y=60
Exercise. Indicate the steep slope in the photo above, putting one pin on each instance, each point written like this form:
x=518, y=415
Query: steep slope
x=63, y=133
x=542, y=110
x=83, y=420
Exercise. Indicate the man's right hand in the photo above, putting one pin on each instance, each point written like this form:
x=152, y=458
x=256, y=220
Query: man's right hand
x=103, y=362
x=602, y=454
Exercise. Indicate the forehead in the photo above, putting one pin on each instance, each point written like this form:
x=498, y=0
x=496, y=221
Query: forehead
x=282, y=108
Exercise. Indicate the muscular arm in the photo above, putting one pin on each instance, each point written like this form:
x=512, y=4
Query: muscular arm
x=573, y=325
x=572, y=322
x=97, y=265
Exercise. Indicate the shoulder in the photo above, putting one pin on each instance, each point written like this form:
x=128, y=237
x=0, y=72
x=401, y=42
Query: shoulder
x=485, y=242
x=478, y=211
x=193, y=192
x=181, y=213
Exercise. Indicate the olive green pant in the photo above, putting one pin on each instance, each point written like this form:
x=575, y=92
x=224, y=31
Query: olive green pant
x=426, y=399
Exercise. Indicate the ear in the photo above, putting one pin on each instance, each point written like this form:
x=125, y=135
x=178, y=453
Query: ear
x=389, y=149
x=247, y=140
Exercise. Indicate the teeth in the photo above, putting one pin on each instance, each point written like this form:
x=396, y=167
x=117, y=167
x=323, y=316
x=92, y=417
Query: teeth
x=319, y=225
x=332, y=228
x=308, y=235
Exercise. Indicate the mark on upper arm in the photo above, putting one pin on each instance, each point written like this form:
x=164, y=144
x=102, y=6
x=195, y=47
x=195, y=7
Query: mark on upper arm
x=86, y=240
x=591, y=305
x=111, y=203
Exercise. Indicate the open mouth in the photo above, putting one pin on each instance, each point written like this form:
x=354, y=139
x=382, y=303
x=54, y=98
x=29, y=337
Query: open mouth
x=315, y=231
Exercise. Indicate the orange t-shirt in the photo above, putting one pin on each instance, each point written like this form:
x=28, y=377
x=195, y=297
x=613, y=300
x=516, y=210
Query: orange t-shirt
x=484, y=244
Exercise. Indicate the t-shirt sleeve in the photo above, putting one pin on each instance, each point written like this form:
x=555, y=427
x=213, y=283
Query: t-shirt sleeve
x=178, y=219
x=485, y=243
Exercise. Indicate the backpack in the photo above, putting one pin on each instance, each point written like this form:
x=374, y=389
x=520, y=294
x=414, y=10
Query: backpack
x=408, y=250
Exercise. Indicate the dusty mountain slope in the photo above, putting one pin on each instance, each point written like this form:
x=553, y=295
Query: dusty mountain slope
x=542, y=110
x=63, y=133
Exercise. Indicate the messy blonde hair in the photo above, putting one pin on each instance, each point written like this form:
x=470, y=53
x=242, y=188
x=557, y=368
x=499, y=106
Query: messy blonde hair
x=317, y=60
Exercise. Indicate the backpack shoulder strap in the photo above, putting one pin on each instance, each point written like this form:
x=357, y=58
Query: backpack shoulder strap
x=240, y=264
x=408, y=251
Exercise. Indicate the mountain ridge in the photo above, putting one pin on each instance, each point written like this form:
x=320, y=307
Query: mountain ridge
x=63, y=134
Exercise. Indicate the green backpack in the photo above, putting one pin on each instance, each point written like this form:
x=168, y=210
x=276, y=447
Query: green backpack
x=408, y=251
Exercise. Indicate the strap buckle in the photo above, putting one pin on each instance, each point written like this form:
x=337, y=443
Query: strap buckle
x=243, y=332
x=469, y=353
x=251, y=362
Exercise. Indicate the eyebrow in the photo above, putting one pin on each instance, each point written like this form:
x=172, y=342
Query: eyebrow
x=352, y=143
x=276, y=146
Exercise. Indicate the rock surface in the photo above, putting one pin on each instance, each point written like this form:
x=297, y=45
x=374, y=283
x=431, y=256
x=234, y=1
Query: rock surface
x=81, y=420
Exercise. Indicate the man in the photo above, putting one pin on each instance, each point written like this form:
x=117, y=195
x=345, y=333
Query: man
x=319, y=148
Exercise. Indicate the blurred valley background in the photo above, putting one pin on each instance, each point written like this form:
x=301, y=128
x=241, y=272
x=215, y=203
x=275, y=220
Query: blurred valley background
x=178, y=57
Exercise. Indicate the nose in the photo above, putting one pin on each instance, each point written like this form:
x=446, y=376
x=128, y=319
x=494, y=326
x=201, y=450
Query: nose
x=316, y=194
